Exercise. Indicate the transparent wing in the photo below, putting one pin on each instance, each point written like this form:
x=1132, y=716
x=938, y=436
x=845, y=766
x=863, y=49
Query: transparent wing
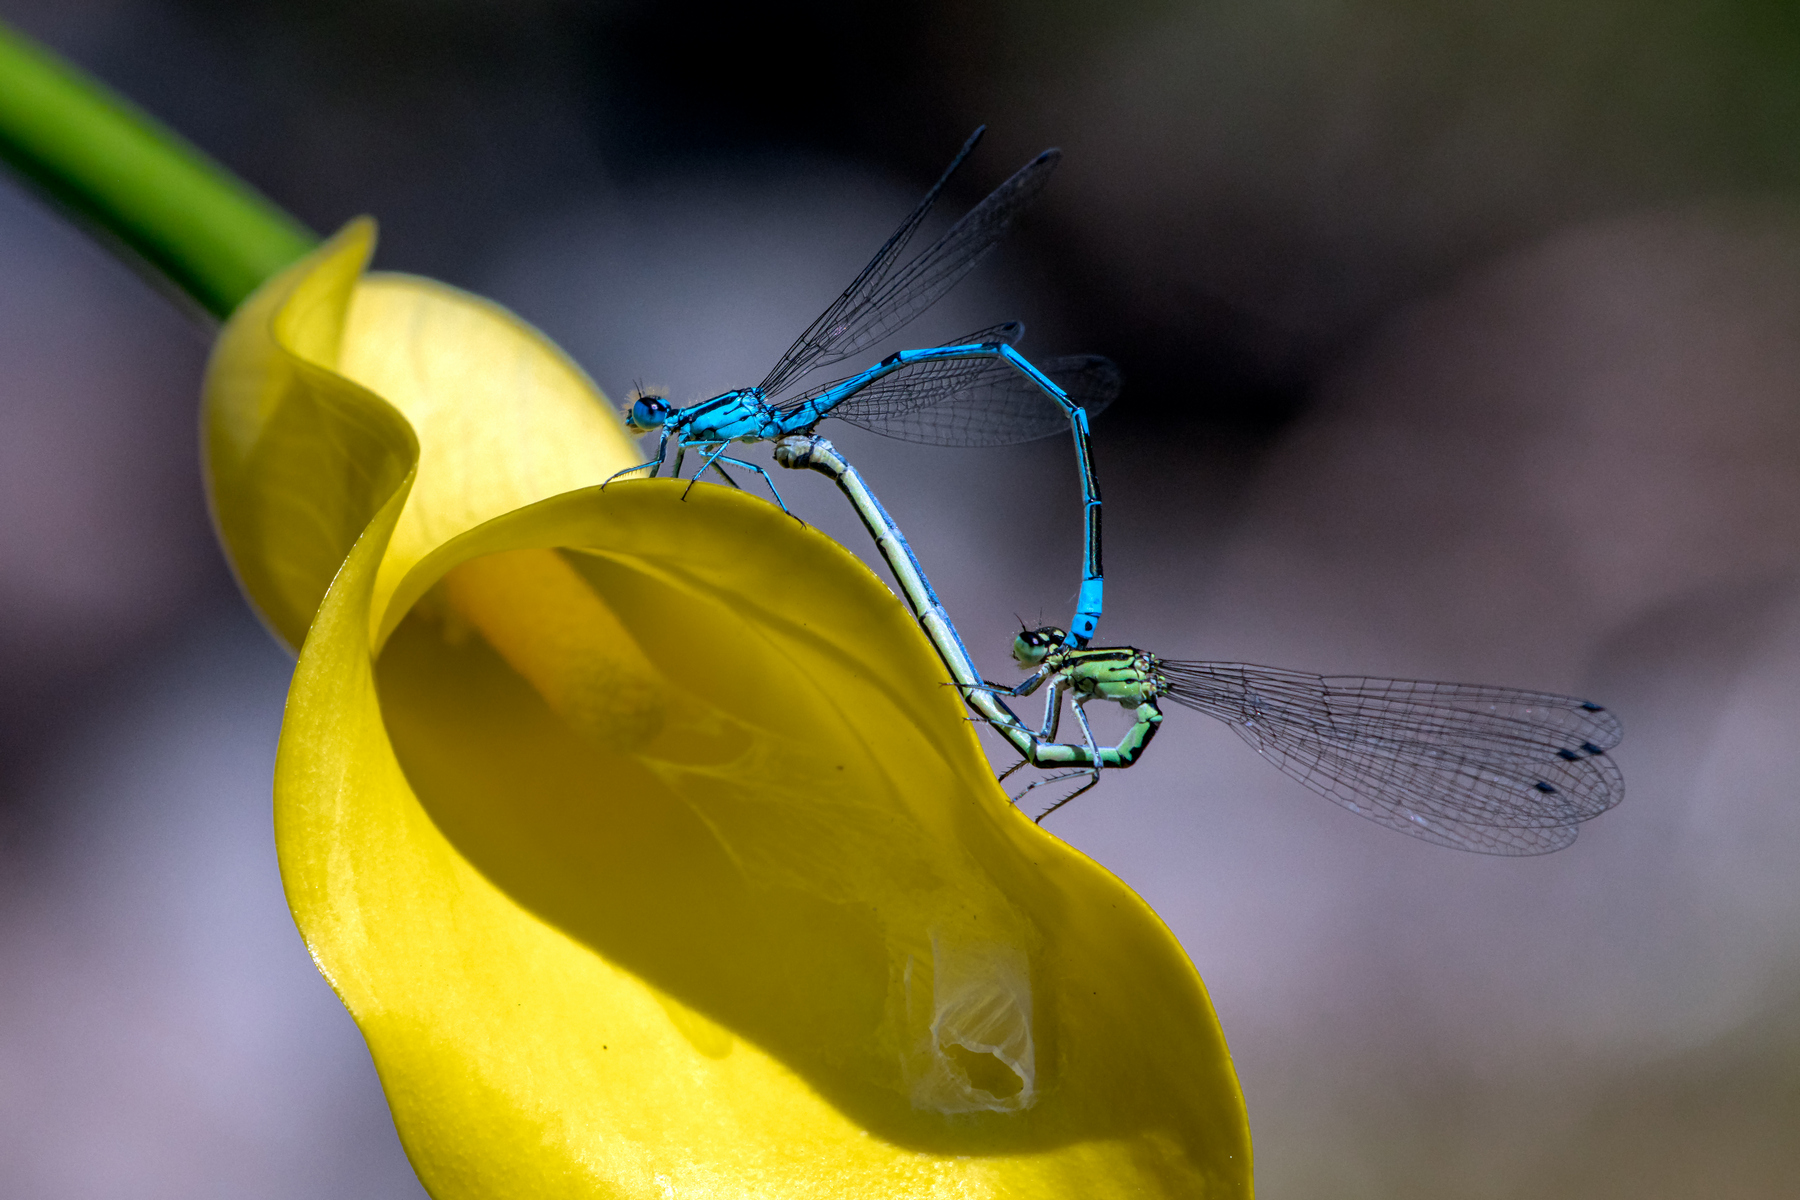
x=915, y=384
x=983, y=402
x=1493, y=770
x=994, y=404
x=882, y=299
x=815, y=346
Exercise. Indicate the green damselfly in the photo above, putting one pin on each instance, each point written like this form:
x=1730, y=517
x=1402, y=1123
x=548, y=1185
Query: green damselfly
x=1487, y=769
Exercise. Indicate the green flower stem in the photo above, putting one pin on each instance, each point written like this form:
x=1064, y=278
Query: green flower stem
x=195, y=223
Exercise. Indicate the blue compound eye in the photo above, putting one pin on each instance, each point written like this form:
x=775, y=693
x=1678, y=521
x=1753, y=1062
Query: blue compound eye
x=647, y=413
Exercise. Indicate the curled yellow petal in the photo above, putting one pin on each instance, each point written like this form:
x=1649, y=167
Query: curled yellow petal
x=640, y=836
x=301, y=438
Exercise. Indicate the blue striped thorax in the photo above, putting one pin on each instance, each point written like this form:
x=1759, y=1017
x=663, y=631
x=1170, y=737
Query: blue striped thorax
x=737, y=416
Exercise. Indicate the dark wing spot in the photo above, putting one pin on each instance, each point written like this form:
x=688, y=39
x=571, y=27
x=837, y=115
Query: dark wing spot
x=1591, y=748
x=1545, y=788
x=1587, y=706
x=1567, y=755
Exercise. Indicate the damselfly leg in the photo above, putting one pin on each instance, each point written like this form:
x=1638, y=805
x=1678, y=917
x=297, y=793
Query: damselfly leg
x=1045, y=736
x=1092, y=772
x=976, y=391
x=1491, y=770
x=655, y=464
x=1052, y=703
x=710, y=457
x=718, y=456
x=750, y=466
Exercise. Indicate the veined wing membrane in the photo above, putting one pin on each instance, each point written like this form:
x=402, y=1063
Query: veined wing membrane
x=1494, y=770
x=919, y=383
x=980, y=402
x=881, y=300
x=818, y=339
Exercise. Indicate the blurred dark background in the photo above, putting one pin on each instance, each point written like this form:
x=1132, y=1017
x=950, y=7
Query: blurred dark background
x=1461, y=340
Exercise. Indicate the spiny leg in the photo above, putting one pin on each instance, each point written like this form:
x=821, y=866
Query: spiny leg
x=1092, y=780
x=988, y=686
x=750, y=466
x=1093, y=772
x=1030, y=685
x=998, y=690
x=1084, y=773
x=1087, y=735
x=1052, y=703
x=662, y=449
x=718, y=449
x=1023, y=762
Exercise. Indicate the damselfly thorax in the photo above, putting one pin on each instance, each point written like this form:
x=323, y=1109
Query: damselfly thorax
x=1123, y=674
x=977, y=390
x=1494, y=770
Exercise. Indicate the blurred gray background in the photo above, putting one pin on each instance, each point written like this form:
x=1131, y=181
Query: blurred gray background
x=1461, y=341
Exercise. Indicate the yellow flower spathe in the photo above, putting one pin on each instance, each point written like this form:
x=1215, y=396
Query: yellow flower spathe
x=639, y=836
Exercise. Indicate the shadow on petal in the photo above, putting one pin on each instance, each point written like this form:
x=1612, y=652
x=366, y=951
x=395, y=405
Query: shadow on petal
x=640, y=836
x=805, y=850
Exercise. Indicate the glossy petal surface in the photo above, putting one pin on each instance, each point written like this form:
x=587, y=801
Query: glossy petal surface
x=648, y=851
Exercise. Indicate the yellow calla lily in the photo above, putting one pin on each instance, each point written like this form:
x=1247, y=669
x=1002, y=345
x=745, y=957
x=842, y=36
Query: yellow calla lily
x=639, y=836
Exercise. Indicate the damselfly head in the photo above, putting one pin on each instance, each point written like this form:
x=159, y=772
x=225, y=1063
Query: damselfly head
x=647, y=412
x=1032, y=646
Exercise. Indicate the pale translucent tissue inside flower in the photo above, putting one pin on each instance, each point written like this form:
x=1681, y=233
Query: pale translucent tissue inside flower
x=979, y=1056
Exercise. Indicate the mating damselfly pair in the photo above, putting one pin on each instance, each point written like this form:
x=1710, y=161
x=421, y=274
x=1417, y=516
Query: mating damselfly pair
x=1488, y=769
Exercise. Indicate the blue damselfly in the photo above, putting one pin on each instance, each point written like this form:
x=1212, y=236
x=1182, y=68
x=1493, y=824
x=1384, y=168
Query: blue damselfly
x=975, y=391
